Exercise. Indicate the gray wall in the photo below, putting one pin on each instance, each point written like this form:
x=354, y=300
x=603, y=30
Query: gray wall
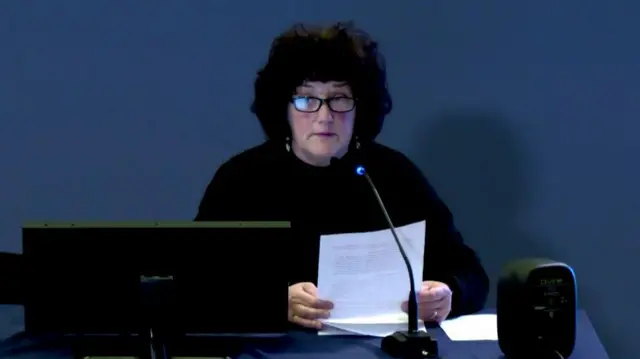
x=524, y=114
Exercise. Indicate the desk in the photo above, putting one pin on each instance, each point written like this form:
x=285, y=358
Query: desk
x=300, y=345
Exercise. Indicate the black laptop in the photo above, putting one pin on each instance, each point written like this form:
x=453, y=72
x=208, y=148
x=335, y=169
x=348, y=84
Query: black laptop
x=227, y=278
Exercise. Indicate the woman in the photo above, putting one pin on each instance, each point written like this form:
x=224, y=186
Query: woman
x=321, y=100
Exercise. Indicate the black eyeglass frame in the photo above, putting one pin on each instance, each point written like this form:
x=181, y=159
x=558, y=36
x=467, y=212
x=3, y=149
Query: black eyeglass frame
x=322, y=102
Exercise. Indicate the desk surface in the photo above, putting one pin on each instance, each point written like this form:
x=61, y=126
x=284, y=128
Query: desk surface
x=302, y=344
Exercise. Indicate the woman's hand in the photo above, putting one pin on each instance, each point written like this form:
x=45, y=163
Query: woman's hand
x=305, y=308
x=434, y=302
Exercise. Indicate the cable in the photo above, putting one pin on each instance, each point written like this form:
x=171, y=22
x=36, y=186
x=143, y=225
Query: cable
x=546, y=350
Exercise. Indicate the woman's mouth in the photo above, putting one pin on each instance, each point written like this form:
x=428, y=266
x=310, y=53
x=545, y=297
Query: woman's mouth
x=325, y=134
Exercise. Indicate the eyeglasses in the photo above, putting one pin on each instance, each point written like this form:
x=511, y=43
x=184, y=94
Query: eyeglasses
x=308, y=104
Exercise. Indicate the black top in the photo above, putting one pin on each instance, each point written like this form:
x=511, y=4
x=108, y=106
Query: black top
x=268, y=183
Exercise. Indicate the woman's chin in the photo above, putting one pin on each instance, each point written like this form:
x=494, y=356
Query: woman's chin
x=323, y=152
x=322, y=155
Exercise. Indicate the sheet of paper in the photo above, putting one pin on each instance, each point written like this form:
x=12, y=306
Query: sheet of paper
x=364, y=274
x=379, y=326
x=369, y=330
x=475, y=327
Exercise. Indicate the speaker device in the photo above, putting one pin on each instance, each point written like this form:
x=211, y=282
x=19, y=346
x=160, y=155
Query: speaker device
x=536, y=309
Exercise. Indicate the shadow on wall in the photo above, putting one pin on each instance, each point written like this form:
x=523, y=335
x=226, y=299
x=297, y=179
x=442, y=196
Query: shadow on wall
x=478, y=165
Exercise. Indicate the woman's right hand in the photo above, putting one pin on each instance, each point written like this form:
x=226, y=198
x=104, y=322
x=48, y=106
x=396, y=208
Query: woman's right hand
x=305, y=308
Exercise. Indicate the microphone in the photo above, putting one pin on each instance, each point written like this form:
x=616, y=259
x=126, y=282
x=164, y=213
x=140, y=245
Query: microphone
x=410, y=344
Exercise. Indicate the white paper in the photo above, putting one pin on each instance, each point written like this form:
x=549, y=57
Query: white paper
x=365, y=277
x=371, y=326
x=475, y=327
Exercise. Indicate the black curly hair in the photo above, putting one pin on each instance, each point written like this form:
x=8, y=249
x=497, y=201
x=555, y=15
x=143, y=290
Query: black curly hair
x=339, y=52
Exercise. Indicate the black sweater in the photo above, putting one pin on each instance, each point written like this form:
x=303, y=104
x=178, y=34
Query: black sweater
x=268, y=183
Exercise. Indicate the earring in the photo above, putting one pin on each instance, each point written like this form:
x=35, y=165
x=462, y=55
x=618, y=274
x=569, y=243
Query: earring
x=287, y=145
x=357, y=143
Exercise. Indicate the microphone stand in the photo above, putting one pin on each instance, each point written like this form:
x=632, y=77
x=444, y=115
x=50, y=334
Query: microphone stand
x=156, y=294
x=157, y=347
x=412, y=343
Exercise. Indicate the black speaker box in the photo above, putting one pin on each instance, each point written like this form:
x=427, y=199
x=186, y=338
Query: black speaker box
x=537, y=309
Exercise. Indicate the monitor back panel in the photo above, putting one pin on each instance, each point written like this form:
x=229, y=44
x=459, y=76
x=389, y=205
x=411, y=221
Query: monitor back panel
x=87, y=279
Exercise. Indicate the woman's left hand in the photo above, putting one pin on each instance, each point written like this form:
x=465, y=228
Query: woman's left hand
x=434, y=302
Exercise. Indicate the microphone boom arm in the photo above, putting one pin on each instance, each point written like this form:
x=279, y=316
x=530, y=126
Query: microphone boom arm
x=413, y=298
x=410, y=344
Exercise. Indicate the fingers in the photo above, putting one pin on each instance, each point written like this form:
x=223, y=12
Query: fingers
x=431, y=313
x=436, y=316
x=428, y=306
x=310, y=288
x=307, y=316
x=308, y=297
x=309, y=313
x=304, y=298
x=435, y=290
x=314, y=301
x=306, y=309
x=433, y=294
x=307, y=323
x=322, y=304
x=433, y=305
x=309, y=300
x=431, y=297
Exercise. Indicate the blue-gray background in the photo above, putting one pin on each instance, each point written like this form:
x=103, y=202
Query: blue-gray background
x=524, y=114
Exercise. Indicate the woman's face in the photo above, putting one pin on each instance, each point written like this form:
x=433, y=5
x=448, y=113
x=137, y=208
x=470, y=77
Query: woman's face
x=321, y=115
